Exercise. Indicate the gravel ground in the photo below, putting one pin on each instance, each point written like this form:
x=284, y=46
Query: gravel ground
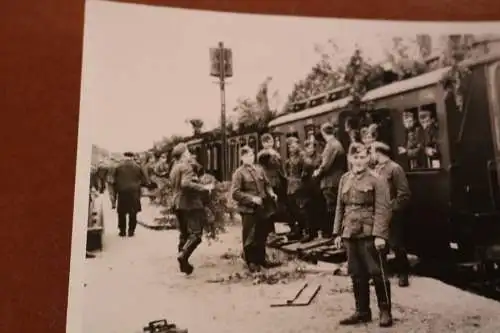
x=136, y=280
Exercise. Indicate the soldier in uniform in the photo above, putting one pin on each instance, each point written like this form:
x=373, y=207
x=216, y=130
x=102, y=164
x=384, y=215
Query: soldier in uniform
x=430, y=137
x=110, y=179
x=315, y=207
x=101, y=174
x=271, y=162
x=413, y=148
x=294, y=171
x=362, y=225
x=160, y=172
x=256, y=201
x=400, y=198
x=188, y=205
x=127, y=182
x=333, y=165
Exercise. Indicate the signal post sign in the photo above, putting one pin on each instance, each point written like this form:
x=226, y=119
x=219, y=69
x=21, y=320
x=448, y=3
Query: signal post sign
x=221, y=62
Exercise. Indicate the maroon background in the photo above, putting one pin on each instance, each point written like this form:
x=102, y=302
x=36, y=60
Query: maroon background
x=40, y=66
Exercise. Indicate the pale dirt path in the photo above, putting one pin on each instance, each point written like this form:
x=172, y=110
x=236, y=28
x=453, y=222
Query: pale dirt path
x=136, y=280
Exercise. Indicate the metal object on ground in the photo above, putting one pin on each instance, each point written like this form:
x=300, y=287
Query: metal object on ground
x=304, y=297
x=162, y=326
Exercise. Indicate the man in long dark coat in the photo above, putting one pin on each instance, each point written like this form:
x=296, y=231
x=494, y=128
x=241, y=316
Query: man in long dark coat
x=188, y=205
x=128, y=178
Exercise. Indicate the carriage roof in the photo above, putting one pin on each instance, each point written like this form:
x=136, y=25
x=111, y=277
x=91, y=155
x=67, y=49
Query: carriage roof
x=392, y=89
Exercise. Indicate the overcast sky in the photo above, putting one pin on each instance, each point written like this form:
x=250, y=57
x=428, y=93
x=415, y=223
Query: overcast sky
x=146, y=69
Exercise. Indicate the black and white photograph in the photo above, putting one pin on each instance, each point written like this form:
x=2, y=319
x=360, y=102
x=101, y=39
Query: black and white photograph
x=257, y=173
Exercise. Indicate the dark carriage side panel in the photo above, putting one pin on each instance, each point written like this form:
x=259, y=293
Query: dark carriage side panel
x=428, y=229
x=472, y=203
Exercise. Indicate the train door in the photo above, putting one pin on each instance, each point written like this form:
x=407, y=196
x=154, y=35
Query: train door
x=494, y=164
x=474, y=148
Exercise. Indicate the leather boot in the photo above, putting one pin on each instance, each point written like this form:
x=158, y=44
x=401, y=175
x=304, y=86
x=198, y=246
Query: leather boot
x=384, y=302
x=187, y=251
x=363, y=314
x=180, y=246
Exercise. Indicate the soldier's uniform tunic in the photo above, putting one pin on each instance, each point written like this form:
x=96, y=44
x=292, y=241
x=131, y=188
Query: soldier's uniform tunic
x=430, y=139
x=295, y=172
x=315, y=206
x=128, y=177
x=363, y=213
x=101, y=175
x=400, y=197
x=414, y=147
x=250, y=181
x=188, y=206
x=333, y=165
x=270, y=161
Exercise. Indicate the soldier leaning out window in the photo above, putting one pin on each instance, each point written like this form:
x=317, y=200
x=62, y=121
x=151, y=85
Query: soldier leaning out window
x=421, y=145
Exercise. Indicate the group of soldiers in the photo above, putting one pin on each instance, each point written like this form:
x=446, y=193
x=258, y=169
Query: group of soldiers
x=359, y=198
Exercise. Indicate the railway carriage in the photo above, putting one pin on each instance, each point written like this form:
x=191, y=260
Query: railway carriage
x=208, y=151
x=456, y=201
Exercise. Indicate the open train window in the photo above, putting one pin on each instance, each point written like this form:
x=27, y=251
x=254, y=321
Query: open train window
x=421, y=144
x=209, y=158
x=366, y=127
x=215, y=156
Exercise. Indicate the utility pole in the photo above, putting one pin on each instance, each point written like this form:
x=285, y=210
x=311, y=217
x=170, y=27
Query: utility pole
x=222, y=67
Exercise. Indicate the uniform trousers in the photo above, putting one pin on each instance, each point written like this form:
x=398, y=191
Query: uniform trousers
x=396, y=242
x=254, y=235
x=363, y=259
x=128, y=204
x=190, y=224
x=298, y=211
x=330, y=195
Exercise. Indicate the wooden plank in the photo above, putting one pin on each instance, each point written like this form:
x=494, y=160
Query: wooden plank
x=316, y=243
x=292, y=246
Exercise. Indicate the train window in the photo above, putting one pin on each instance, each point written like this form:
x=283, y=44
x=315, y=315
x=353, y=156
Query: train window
x=209, y=159
x=421, y=146
x=215, y=157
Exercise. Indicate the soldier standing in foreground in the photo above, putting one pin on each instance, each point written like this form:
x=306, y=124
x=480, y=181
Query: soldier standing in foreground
x=256, y=201
x=400, y=198
x=332, y=167
x=128, y=179
x=362, y=224
x=188, y=205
